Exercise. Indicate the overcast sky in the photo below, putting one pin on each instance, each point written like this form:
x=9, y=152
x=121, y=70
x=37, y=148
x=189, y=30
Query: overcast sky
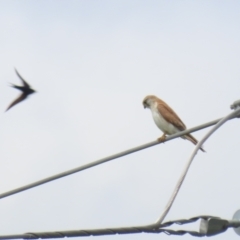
x=92, y=63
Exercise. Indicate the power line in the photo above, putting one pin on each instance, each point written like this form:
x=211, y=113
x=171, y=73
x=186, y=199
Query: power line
x=109, y=158
x=103, y=160
x=209, y=226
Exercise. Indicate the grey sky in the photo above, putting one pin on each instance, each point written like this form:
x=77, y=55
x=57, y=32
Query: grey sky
x=92, y=63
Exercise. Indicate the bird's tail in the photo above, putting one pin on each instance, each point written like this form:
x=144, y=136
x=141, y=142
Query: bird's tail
x=192, y=139
x=12, y=85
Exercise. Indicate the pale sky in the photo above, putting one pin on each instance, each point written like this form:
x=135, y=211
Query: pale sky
x=92, y=63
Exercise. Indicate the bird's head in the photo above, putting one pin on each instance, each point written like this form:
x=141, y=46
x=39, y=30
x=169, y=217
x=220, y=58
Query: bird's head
x=148, y=101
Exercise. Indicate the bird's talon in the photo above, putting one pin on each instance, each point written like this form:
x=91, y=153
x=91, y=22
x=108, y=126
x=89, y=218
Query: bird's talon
x=162, y=138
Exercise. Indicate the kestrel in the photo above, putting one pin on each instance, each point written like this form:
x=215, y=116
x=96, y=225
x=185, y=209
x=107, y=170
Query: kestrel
x=166, y=119
x=26, y=90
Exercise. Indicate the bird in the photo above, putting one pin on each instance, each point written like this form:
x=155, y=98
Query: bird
x=166, y=119
x=26, y=90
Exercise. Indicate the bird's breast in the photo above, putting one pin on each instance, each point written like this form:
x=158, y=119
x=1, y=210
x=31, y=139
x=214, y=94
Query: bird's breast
x=164, y=126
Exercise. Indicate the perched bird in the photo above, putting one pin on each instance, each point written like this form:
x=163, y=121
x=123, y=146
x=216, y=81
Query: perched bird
x=166, y=119
x=26, y=90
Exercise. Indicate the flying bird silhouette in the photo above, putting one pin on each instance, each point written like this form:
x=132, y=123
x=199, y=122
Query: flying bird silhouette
x=26, y=90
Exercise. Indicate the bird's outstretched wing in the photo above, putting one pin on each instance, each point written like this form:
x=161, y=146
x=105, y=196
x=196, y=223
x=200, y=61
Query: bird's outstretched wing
x=24, y=82
x=16, y=101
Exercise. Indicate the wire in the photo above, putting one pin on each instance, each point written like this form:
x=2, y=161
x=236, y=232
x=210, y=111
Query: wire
x=113, y=231
x=103, y=160
x=209, y=226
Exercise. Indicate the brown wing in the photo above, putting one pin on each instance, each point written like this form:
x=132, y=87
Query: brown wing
x=16, y=101
x=170, y=115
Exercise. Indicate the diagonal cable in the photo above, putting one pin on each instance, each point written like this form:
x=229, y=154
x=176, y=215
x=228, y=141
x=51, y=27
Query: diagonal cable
x=103, y=160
